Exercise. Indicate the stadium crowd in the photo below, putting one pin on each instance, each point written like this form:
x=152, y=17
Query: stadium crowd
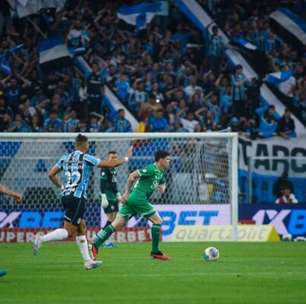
x=251, y=20
x=168, y=76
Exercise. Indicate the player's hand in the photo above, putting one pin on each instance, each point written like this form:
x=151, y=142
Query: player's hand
x=130, y=152
x=123, y=198
x=17, y=196
x=162, y=188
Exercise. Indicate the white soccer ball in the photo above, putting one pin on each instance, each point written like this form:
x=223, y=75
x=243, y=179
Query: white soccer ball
x=211, y=254
x=287, y=237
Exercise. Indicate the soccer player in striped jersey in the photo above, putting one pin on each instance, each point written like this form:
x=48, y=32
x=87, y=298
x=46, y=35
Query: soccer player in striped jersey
x=18, y=197
x=76, y=167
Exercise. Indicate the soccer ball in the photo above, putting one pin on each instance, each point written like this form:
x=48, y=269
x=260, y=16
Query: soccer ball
x=211, y=254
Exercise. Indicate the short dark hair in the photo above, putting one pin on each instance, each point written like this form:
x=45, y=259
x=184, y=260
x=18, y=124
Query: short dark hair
x=112, y=152
x=161, y=154
x=81, y=139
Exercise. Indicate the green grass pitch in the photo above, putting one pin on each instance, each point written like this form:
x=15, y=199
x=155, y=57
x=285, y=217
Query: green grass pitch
x=246, y=273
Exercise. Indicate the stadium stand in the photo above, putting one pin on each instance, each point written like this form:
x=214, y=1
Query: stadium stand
x=168, y=76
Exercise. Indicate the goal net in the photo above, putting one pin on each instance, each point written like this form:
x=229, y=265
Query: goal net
x=203, y=171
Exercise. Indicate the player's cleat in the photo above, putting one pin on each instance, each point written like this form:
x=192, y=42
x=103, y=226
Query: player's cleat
x=37, y=244
x=109, y=245
x=92, y=264
x=2, y=272
x=160, y=256
x=93, y=250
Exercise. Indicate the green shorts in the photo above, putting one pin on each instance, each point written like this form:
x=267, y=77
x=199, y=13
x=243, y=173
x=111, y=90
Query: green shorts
x=137, y=205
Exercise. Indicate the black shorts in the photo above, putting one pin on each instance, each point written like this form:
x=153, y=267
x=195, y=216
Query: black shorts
x=74, y=209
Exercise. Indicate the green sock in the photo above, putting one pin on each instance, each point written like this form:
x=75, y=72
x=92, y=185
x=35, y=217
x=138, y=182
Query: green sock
x=155, y=231
x=103, y=235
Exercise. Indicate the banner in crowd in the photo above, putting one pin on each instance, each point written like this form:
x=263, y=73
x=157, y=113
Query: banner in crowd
x=24, y=8
x=268, y=160
x=291, y=22
x=286, y=218
x=273, y=148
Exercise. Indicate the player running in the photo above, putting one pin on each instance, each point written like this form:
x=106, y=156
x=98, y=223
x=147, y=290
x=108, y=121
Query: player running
x=144, y=182
x=18, y=197
x=76, y=167
x=109, y=192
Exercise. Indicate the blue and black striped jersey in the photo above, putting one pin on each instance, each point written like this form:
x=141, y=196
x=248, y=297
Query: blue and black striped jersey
x=76, y=167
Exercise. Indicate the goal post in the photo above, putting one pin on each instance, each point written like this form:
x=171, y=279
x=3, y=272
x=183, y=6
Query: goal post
x=204, y=167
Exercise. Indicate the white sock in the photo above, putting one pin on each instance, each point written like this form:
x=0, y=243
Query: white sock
x=83, y=245
x=56, y=235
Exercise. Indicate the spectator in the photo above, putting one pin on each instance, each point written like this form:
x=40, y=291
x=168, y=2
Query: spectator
x=19, y=125
x=122, y=87
x=121, y=123
x=71, y=123
x=287, y=198
x=286, y=125
x=157, y=122
x=281, y=184
x=215, y=49
x=268, y=118
x=53, y=124
x=95, y=123
x=239, y=82
x=6, y=114
x=77, y=37
x=95, y=90
x=189, y=123
x=12, y=94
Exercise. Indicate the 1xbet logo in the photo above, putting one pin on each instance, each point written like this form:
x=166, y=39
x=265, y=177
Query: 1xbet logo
x=285, y=221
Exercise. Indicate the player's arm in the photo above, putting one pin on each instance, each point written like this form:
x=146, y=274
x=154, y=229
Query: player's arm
x=17, y=196
x=112, y=163
x=162, y=188
x=130, y=182
x=53, y=176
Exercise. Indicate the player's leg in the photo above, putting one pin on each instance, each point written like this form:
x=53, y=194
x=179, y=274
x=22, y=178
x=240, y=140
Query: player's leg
x=82, y=243
x=104, y=234
x=122, y=216
x=55, y=235
x=70, y=205
x=156, y=232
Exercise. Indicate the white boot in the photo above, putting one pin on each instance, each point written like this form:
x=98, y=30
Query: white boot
x=92, y=264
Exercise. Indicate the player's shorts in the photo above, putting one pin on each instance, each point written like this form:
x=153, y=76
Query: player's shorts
x=137, y=205
x=74, y=209
x=113, y=206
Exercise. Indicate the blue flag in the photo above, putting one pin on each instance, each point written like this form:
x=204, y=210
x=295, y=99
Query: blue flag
x=278, y=77
x=139, y=15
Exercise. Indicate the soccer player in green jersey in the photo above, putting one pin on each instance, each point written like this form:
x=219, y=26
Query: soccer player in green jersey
x=142, y=184
x=109, y=192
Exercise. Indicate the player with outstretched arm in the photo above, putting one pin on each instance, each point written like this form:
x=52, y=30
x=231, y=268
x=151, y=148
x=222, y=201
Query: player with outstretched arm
x=143, y=183
x=76, y=167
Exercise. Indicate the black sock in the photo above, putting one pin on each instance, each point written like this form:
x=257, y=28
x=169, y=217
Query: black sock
x=107, y=224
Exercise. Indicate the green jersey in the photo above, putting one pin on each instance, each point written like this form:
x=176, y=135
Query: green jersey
x=150, y=178
x=108, y=181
